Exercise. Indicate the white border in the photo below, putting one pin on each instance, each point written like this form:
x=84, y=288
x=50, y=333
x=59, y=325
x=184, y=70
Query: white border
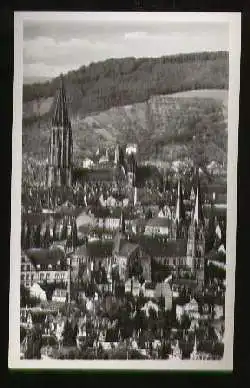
x=234, y=23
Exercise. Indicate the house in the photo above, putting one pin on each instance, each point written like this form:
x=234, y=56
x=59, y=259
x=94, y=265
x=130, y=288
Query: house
x=132, y=286
x=95, y=254
x=37, y=292
x=131, y=149
x=164, y=290
x=170, y=252
x=218, y=311
x=149, y=290
x=87, y=163
x=165, y=212
x=190, y=309
x=39, y=265
x=158, y=226
x=59, y=295
x=150, y=306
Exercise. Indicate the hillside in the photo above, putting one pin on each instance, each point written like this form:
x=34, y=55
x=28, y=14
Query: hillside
x=132, y=99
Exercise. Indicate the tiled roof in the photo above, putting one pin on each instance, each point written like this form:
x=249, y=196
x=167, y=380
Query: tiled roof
x=127, y=248
x=157, y=248
x=162, y=289
x=159, y=221
x=96, y=249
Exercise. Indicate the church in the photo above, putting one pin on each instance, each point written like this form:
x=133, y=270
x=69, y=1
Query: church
x=60, y=168
x=185, y=246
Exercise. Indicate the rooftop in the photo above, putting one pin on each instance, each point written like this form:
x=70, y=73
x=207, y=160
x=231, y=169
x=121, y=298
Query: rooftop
x=159, y=222
x=158, y=248
x=96, y=249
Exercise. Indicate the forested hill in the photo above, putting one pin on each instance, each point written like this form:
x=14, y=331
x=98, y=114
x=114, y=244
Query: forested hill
x=119, y=82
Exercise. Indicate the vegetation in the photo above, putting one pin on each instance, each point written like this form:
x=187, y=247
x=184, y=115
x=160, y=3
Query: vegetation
x=125, y=100
x=26, y=299
x=114, y=82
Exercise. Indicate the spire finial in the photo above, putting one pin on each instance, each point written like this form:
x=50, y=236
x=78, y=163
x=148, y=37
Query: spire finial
x=180, y=214
x=122, y=222
x=198, y=215
x=195, y=344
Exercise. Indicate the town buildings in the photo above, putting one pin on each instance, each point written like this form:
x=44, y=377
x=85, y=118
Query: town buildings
x=117, y=251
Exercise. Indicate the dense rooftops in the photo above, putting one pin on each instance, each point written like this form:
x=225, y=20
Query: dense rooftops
x=160, y=248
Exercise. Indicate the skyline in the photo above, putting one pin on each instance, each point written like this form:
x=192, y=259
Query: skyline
x=54, y=47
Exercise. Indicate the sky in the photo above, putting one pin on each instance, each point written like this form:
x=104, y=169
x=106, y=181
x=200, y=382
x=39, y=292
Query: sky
x=54, y=47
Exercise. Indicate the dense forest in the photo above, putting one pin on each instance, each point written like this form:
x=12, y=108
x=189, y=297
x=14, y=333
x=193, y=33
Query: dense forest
x=117, y=82
x=127, y=100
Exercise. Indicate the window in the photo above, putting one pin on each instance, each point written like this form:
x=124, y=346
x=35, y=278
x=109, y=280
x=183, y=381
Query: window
x=27, y=276
x=41, y=276
x=22, y=277
x=47, y=275
x=22, y=268
x=28, y=267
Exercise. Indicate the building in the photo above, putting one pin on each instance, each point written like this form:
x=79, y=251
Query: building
x=61, y=143
x=158, y=226
x=196, y=241
x=190, y=309
x=176, y=352
x=87, y=163
x=40, y=265
x=131, y=149
x=130, y=258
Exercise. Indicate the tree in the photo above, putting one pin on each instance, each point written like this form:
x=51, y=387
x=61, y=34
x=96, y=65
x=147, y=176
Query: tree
x=37, y=237
x=69, y=334
x=26, y=299
x=185, y=322
x=46, y=237
x=49, y=289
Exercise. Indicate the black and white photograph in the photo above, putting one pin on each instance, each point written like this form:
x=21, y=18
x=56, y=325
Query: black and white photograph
x=124, y=190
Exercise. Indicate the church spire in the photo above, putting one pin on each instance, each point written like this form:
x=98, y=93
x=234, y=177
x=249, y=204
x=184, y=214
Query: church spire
x=61, y=142
x=61, y=117
x=122, y=223
x=195, y=345
x=180, y=211
x=117, y=155
x=198, y=214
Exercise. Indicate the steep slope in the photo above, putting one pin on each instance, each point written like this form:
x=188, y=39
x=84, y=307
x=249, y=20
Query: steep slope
x=134, y=100
x=165, y=127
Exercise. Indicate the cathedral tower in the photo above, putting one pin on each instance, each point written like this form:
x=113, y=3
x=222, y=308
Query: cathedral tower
x=196, y=240
x=131, y=170
x=178, y=227
x=61, y=143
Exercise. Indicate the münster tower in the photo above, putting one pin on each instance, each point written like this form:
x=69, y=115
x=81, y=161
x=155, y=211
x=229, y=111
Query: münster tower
x=61, y=143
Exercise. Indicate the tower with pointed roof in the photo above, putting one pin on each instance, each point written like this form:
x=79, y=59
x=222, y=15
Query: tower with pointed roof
x=196, y=239
x=176, y=351
x=61, y=143
x=178, y=226
x=131, y=170
x=194, y=355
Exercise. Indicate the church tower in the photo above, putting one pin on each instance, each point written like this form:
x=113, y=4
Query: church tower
x=178, y=227
x=196, y=240
x=131, y=170
x=61, y=143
